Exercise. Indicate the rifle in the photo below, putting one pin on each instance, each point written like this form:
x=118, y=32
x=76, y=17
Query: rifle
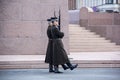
x=54, y=13
x=59, y=20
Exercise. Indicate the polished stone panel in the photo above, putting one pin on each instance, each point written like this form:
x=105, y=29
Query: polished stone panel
x=20, y=29
x=23, y=25
x=31, y=10
x=10, y=10
x=21, y=46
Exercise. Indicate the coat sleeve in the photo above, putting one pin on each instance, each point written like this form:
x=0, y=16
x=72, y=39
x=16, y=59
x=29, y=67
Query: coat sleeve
x=58, y=33
x=48, y=33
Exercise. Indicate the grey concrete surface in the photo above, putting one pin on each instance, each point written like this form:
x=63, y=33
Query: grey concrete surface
x=77, y=74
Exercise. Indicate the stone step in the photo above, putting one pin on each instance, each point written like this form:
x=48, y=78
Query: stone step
x=92, y=44
x=77, y=28
x=94, y=50
x=89, y=41
x=82, y=40
x=22, y=64
x=97, y=63
x=74, y=25
x=85, y=38
x=82, y=36
x=41, y=64
x=84, y=59
x=94, y=47
x=81, y=32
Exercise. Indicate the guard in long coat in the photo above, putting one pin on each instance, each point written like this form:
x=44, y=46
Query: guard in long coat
x=56, y=55
x=49, y=53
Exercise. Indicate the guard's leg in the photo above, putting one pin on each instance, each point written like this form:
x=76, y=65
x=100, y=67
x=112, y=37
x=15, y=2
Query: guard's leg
x=51, y=68
x=65, y=67
x=56, y=67
x=71, y=66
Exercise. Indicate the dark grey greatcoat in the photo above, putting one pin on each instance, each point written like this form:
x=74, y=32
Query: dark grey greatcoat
x=55, y=53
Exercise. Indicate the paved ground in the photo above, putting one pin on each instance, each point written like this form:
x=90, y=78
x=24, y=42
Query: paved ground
x=78, y=74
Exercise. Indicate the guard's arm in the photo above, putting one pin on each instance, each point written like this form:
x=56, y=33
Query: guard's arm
x=58, y=33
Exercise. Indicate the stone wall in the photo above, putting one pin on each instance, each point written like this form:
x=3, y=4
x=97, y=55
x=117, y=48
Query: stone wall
x=74, y=16
x=23, y=25
x=105, y=24
x=71, y=4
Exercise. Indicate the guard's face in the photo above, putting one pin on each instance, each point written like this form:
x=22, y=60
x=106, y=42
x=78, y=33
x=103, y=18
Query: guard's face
x=56, y=23
x=50, y=24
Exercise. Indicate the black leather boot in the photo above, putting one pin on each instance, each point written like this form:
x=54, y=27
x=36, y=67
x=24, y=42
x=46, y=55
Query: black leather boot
x=57, y=69
x=65, y=67
x=71, y=66
x=51, y=68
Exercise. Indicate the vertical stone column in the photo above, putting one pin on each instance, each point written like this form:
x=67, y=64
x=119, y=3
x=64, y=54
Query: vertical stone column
x=88, y=3
x=99, y=2
x=91, y=4
x=78, y=4
x=103, y=1
x=23, y=25
x=95, y=2
x=83, y=3
x=118, y=1
x=114, y=1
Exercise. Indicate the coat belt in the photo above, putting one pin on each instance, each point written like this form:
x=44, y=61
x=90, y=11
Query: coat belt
x=55, y=39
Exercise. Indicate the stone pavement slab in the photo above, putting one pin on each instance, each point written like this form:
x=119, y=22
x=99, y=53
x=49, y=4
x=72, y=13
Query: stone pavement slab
x=77, y=74
x=84, y=59
x=95, y=55
x=74, y=56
